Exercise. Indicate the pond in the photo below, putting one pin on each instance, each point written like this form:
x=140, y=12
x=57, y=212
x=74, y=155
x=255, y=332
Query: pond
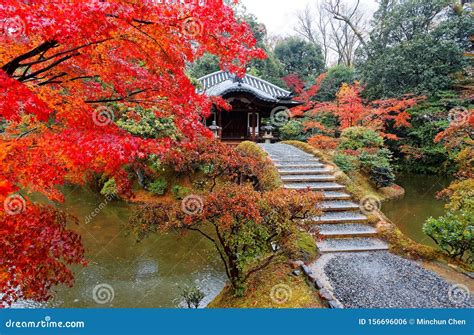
x=149, y=274
x=419, y=203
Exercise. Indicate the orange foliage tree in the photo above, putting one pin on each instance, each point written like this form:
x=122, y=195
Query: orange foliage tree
x=68, y=69
x=247, y=227
x=351, y=110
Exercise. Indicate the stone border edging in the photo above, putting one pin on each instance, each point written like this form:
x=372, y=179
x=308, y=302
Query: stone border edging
x=324, y=293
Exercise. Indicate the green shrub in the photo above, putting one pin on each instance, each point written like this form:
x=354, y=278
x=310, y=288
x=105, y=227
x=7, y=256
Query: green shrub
x=345, y=162
x=363, y=148
x=356, y=138
x=180, y=192
x=158, y=187
x=293, y=130
x=454, y=233
x=193, y=296
x=382, y=176
x=378, y=166
x=148, y=125
x=307, y=250
x=109, y=189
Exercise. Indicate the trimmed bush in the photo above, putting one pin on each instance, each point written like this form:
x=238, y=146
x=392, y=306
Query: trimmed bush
x=356, y=138
x=345, y=162
x=158, y=187
x=293, y=130
x=363, y=148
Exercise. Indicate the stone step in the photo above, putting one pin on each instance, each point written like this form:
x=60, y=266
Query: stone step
x=295, y=161
x=307, y=178
x=297, y=156
x=344, y=230
x=305, y=171
x=323, y=186
x=341, y=217
x=338, y=206
x=351, y=245
x=333, y=195
x=298, y=166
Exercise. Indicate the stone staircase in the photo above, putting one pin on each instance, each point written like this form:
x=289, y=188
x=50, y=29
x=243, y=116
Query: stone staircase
x=342, y=226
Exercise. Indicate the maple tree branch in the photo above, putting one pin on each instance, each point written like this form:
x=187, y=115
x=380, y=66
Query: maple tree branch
x=49, y=67
x=64, y=52
x=27, y=133
x=261, y=266
x=51, y=80
x=14, y=64
x=217, y=247
x=153, y=39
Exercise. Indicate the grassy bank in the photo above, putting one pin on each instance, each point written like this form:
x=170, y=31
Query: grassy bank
x=275, y=287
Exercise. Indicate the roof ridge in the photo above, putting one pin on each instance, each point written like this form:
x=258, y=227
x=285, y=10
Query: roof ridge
x=269, y=83
x=211, y=74
x=218, y=82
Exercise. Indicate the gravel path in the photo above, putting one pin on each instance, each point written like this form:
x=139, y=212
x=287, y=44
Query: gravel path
x=383, y=280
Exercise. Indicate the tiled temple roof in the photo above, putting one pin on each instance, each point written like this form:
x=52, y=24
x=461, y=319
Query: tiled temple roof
x=221, y=83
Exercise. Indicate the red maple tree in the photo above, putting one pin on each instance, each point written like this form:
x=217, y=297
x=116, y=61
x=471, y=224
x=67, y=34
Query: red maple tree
x=67, y=70
x=351, y=110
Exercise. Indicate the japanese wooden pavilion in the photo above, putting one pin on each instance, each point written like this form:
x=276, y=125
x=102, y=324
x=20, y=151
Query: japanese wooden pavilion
x=252, y=100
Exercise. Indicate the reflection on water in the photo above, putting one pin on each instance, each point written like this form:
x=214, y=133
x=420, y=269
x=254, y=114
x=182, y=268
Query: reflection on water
x=419, y=203
x=151, y=273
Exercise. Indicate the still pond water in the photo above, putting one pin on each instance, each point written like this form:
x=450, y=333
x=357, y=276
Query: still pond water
x=419, y=203
x=150, y=274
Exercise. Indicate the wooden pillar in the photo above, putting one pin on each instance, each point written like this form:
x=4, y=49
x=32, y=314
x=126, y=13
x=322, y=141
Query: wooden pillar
x=219, y=122
x=253, y=126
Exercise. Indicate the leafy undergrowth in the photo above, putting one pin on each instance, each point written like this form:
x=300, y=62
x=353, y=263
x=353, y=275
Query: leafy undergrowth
x=306, y=248
x=274, y=287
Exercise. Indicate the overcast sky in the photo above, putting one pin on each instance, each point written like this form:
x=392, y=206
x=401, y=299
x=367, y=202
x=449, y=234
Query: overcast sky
x=279, y=15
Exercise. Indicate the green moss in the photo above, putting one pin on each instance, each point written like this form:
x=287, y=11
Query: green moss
x=294, y=291
x=307, y=247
